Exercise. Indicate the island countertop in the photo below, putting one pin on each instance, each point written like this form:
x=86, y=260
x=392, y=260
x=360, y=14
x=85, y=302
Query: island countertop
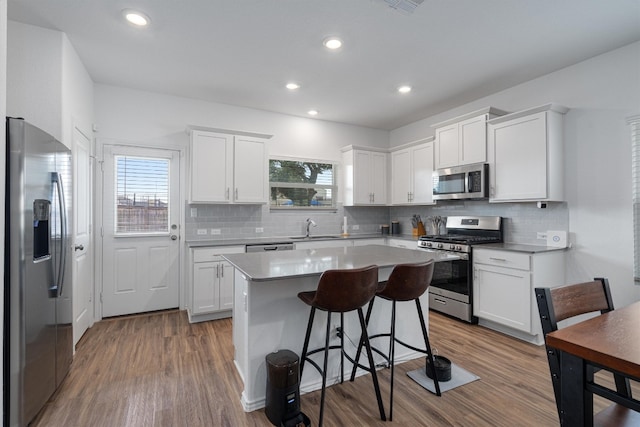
x=260, y=267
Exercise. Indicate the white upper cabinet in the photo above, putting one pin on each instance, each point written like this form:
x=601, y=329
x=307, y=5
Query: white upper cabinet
x=364, y=176
x=412, y=174
x=463, y=140
x=525, y=155
x=227, y=168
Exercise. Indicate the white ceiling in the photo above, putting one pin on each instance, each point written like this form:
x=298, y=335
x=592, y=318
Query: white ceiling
x=242, y=52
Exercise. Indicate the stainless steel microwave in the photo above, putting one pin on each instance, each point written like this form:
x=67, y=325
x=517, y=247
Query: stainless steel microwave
x=461, y=182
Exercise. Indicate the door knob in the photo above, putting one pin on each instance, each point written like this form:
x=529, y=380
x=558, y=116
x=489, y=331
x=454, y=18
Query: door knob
x=78, y=248
x=174, y=237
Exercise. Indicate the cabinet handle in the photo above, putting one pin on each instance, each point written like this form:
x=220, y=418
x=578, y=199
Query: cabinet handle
x=218, y=271
x=222, y=270
x=236, y=193
x=373, y=197
x=227, y=194
x=441, y=301
x=497, y=259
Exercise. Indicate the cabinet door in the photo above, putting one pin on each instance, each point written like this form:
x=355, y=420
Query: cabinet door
x=250, y=170
x=446, y=148
x=366, y=242
x=362, y=191
x=401, y=177
x=518, y=159
x=211, y=156
x=503, y=295
x=422, y=186
x=226, y=286
x=206, y=287
x=473, y=140
x=335, y=243
x=378, y=178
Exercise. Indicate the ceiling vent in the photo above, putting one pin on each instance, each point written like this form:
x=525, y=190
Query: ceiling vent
x=405, y=6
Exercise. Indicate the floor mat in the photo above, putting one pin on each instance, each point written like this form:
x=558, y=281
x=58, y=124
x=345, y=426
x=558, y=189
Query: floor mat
x=459, y=376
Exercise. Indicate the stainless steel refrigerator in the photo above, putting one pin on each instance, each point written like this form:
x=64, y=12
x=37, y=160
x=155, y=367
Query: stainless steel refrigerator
x=38, y=338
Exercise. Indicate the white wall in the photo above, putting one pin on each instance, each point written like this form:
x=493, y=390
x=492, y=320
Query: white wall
x=601, y=93
x=77, y=94
x=144, y=117
x=34, y=73
x=3, y=110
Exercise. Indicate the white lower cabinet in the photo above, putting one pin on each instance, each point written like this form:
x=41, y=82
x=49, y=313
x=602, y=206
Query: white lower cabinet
x=402, y=243
x=373, y=241
x=503, y=284
x=318, y=244
x=211, y=290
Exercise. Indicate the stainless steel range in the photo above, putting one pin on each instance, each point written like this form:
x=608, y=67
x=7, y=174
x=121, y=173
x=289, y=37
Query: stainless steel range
x=451, y=290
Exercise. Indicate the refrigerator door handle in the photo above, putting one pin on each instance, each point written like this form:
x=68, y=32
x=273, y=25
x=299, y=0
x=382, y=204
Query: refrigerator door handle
x=57, y=180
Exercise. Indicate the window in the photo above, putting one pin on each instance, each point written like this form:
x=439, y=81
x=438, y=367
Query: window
x=142, y=195
x=634, y=122
x=302, y=184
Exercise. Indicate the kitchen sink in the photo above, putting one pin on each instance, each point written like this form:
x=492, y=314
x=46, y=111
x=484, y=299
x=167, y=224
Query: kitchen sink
x=315, y=237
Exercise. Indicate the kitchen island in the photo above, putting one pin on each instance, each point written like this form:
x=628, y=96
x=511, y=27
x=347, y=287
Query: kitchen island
x=268, y=316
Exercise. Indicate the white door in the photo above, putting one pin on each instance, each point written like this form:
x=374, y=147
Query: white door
x=141, y=230
x=83, y=251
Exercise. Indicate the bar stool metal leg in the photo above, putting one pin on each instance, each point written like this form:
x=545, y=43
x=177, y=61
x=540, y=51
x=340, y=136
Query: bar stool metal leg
x=324, y=367
x=360, y=343
x=374, y=375
x=307, y=335
x=392, y=354
x=436, y=383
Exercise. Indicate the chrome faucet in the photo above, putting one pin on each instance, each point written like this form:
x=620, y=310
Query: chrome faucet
x=310, y=222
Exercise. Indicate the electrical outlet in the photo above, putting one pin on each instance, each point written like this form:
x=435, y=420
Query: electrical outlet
x=542, y=235
x=355, y=227
x=216, y=231
x=259, y=229
x=202, y=231
x=194, y=212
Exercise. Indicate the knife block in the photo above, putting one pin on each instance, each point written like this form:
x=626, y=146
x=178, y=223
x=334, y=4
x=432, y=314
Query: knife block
x=420, y=231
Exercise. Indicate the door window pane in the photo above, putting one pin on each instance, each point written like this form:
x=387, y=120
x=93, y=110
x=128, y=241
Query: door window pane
x=142, y=195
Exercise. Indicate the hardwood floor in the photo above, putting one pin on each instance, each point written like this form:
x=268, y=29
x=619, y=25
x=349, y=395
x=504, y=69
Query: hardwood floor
x=159, y=370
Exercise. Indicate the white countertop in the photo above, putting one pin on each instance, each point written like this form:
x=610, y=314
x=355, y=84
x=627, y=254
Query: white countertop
x=308, y=262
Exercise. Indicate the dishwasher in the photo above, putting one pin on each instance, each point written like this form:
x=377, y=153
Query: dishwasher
x=268, y=247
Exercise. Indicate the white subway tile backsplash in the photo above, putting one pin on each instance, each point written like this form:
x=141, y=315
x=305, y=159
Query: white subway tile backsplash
x=522, y=221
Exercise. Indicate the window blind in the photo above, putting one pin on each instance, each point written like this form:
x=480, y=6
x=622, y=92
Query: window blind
x=142, y=195
x=634, y=123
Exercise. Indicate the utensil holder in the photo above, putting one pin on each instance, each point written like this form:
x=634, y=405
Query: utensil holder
x=419, y=231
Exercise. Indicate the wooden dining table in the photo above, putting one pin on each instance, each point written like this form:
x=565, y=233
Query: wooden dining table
x=610, y=341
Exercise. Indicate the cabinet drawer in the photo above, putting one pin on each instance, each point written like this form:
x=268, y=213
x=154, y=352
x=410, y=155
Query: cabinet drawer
x=502, y=258
x=213, y=253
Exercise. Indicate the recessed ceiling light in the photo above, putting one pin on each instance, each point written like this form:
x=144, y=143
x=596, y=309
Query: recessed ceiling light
x=312, y=112
x=332, y=43
x=136, y=18
x=404, y=89
x=292, y=86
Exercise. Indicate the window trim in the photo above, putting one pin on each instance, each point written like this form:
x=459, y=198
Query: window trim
x=334, y=188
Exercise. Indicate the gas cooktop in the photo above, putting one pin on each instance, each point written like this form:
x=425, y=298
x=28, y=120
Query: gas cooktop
x=464, y=231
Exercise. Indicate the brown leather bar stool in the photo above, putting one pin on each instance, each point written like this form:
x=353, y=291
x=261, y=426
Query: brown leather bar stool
x=341, y=291
x=407, y=282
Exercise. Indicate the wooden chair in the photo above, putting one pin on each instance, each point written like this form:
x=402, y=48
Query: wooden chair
x=564, y=302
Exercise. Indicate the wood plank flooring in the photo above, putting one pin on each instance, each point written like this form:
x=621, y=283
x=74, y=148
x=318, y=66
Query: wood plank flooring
x=158, y=370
